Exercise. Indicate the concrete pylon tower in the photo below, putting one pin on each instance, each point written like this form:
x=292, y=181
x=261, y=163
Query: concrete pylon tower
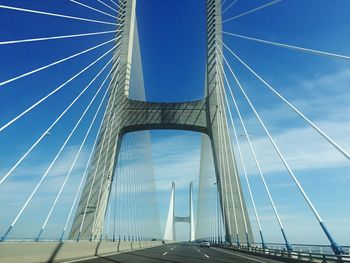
x=125, y=115
x=170, y=230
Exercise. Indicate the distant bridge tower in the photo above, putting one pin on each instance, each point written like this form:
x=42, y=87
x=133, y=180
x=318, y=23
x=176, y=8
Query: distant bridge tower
x=170, y=230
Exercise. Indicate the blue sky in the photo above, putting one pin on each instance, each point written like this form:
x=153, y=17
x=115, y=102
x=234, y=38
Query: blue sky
x=173, y=52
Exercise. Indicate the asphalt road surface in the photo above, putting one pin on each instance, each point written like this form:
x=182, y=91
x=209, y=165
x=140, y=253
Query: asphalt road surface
x=179, y=252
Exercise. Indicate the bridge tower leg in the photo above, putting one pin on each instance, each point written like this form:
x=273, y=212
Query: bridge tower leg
x=231, y=197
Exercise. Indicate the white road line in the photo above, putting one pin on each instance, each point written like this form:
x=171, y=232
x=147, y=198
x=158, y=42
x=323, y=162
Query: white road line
x=238, y=255
x=165, y=253
x=206, y=256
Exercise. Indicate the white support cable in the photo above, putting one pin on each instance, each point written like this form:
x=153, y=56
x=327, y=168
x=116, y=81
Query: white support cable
x=108, y=219
x=227, y=163
x=313, y=125
x=127, y=188
x=222, y=158
x=303, y=49
x=240, y=154
x=55, y=15
x=106, y=5
x=135, y=191
x=223, y=3
x=103, y=140
x=92, y=185
x=99, y=195
x=114, y=3
x=139, y=202
x=291, y=173
x=130, y=184
x=13, y=120
x=82, y=144
x=150, y=199
x=9, y=42
x=59, y=152
x=121, y=201
x=253, y=10
x=120, y=5
x=126, y=194
x=136, y=203
x=104, y=170
x=139, y=189
x=141, y=213
x=54, y=63
x=116, y=177
x=118, y=228
x=335, y=247
x=214, y=218
x=148, y=213
x=144, y=208
x=222, y=177
x=217, y=213
x=103, y=173
x=94, y=9
x=44, y=134
x=123, y=212
x=104, y=231
x=88, y=162
x=253, y=151
x=221, y=170
x=131, y=191
x=227, y=8
x=224, y=163
x=232, y=156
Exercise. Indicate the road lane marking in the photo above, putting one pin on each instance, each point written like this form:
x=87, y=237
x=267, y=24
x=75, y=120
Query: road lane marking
x=238, y=255
x=165, y=253
x=206, y=256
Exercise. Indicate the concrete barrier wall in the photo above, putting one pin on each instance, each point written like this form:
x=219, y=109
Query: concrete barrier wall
x=58, y=252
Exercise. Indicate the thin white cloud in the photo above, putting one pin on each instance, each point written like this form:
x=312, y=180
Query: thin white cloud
x=303, y=147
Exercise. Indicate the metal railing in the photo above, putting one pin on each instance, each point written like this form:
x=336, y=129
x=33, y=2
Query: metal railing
x=300, y=252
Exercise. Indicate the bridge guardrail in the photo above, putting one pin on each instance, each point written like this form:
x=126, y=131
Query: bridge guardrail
x=290, y=255
x=315, y=249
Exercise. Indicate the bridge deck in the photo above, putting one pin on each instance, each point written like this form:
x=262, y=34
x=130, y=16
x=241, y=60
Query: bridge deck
x=181, y=253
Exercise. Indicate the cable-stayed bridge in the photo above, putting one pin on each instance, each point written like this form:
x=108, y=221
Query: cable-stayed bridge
x=104, y=196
